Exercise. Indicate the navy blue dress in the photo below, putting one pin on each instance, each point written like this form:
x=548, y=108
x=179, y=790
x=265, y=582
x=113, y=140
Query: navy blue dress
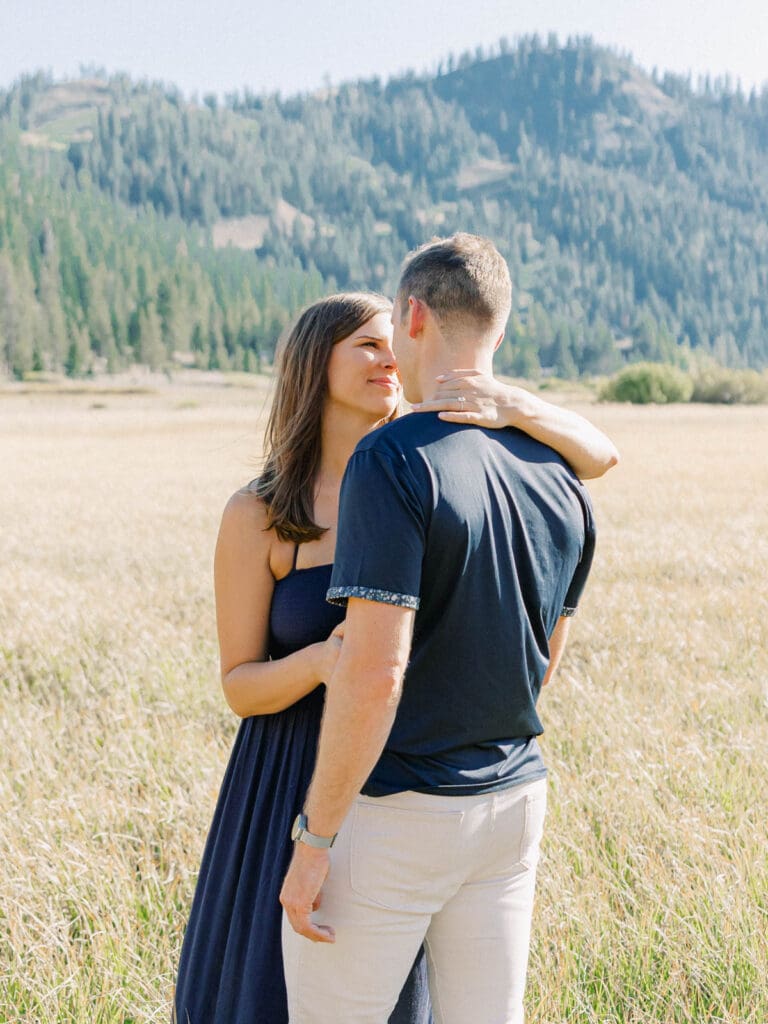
x=231, y=967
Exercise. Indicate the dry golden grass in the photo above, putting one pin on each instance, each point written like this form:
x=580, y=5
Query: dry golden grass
x=653, y=895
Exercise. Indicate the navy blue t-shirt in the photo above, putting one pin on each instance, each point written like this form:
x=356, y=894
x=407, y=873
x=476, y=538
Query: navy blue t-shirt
x=489, y=535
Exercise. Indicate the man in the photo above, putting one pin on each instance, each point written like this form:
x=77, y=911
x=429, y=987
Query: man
x=462, y=553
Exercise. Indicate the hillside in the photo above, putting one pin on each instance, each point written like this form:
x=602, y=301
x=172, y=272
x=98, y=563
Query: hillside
x=631, y=208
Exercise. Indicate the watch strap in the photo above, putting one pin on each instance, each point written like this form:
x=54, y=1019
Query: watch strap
x=301, y=834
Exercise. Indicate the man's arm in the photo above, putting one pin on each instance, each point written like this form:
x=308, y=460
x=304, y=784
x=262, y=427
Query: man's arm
x=360, y=707
x=559, y=635
x=557, y=644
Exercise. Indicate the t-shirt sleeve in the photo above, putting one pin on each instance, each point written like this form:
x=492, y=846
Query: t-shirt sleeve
x=581, y=572
x=381, y=534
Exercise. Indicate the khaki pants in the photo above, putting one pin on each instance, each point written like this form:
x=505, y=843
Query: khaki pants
x=456, y=873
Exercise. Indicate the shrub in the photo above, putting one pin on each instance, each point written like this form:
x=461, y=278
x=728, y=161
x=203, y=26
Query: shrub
x=648, y=382
x=730, y=387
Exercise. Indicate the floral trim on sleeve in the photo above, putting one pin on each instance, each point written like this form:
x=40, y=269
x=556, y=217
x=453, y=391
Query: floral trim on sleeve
x=339, y=595
x=568, y=612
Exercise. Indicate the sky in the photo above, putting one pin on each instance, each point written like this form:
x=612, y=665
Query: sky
x=301, y=45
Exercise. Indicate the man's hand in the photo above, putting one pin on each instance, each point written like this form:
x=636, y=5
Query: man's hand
x=301, y=894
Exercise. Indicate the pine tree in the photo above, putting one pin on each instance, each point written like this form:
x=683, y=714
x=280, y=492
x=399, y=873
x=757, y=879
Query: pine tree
x=151, y=349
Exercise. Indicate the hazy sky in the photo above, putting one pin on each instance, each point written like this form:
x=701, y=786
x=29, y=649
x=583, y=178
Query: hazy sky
x=296, y=45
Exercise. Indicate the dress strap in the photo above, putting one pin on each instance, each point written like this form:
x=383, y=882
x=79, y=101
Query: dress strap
x=295, y=556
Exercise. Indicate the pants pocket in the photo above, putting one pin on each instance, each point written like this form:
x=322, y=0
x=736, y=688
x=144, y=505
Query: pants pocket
x=401, y=857
x=534, y=812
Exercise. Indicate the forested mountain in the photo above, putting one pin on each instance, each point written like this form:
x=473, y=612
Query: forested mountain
x=631, y=208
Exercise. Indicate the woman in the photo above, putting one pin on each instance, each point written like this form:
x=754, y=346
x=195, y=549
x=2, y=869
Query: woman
x=336, y=380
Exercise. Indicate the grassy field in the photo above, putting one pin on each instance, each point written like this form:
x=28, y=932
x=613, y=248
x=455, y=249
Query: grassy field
x=653, y=895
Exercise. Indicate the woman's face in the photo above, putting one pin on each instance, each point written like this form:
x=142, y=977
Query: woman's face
x=362, y=373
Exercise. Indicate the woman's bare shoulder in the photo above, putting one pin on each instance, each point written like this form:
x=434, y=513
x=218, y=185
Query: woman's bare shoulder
x=247, y=536
x=246, y=519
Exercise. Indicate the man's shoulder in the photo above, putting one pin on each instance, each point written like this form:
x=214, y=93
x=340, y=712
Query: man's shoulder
x=401, y=435
x=419, y=439
x=436, y=438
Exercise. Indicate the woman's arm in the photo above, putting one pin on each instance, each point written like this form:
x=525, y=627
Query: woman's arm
x=489, y=403
x=244, y=586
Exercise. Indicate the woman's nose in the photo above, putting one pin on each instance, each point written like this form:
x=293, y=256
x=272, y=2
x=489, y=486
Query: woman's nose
x=388, y=356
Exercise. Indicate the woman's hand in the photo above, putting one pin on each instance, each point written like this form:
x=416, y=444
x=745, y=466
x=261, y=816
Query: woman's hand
x=470, y=396
x=328, y=654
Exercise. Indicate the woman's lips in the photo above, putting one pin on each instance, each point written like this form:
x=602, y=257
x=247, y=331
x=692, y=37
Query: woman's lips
x=386, y=382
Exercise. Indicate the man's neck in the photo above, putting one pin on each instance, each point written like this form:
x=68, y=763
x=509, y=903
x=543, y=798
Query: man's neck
x=448, y=362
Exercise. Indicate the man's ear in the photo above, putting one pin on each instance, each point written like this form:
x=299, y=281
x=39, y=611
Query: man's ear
x=417, y=316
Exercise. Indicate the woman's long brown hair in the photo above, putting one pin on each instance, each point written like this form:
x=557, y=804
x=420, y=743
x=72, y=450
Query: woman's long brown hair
x=293, y=434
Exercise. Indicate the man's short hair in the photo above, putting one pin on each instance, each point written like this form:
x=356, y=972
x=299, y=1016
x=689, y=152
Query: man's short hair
x=463, y=279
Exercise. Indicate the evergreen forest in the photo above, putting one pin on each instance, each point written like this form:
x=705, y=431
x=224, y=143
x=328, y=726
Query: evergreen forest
x=138, y=225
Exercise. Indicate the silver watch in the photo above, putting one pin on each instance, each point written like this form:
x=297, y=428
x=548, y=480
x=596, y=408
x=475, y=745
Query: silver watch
x=300, y=834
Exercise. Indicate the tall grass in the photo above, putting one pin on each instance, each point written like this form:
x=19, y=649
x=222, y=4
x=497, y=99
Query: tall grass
x=653, y=894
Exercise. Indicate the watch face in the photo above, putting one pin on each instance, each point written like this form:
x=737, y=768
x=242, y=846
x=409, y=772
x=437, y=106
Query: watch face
x=298, y=827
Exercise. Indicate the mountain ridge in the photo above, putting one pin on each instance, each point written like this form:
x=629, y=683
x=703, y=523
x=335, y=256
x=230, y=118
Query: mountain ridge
x=630, y=207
